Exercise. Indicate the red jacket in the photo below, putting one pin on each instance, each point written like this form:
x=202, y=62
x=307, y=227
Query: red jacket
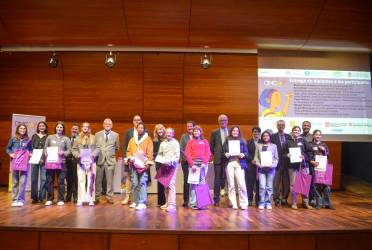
x=197, y=149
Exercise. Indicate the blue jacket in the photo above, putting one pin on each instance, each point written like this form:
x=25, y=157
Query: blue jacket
x=16, y=144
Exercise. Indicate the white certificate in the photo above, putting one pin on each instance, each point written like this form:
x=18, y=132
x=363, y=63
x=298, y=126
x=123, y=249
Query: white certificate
x=234, y=147
x=194, y=177
x=295, y=154
x=161, y=159
x=139, y=159
x=266, y=158
x=52, y=154
x=36, y=156
x=322, y=160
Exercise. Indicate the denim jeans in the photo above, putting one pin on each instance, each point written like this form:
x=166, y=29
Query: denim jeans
x=139, y=187
x=266, y=179
x=203, y=175
x=19, y=181
x=318, y=194
x=38, y=192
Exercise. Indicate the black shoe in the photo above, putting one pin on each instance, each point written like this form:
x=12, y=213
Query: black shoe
x=330, y=207
x=284, y=202
x=216, y=204
x=34, y=201
x=250, y=203
x=185, y=205
x=96, y=201
x=277, y=202
x=75, y=200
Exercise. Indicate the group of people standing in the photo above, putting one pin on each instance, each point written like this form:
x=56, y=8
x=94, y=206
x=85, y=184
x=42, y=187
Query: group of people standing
x=87, y=163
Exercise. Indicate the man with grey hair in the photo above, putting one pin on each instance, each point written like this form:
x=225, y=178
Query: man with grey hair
x=107, y=141
x=218, y=138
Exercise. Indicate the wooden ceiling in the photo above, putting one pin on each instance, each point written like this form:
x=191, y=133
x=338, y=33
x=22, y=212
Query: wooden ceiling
x=245, y=24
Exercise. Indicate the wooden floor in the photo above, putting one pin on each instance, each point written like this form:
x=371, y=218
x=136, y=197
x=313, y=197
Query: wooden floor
x=353, y=212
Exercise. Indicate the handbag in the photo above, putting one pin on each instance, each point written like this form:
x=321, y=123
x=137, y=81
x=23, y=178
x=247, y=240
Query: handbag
x=302, y=183
x=203, y=196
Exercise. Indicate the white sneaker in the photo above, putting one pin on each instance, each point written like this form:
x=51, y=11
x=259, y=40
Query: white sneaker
x=141, y=207
x=268, y=206
x=171, y=208
x=15, y=204
x=48, y=203
x=235, y=207
x=261, y=207
x=60, y=203
x=243, y=207
x=91, y=203
x=79, y=204
x=133, y=205
x=20, y=204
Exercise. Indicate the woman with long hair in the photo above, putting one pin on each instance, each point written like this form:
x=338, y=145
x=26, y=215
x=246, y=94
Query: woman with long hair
x=266, y=171
x=19, y=149
x=86, y=152
x=58, y=168
x=159, y=137
x=38, y=142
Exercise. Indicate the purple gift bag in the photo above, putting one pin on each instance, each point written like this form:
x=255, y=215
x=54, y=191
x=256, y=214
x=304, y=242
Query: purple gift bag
x=20, y=162
x=203, y=197
x=302, y=183
x=324, y=177
x=165, y=174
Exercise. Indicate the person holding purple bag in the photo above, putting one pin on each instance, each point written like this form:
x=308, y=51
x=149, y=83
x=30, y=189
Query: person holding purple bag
x=320, y=148
x=86, y=151
x=63, y=144
x=19, y=149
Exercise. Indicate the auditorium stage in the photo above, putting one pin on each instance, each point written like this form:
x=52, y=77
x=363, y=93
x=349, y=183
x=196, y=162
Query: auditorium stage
x=113, y=226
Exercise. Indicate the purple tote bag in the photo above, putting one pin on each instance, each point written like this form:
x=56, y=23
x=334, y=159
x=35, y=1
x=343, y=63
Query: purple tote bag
x=302, y=183
x=203, y=197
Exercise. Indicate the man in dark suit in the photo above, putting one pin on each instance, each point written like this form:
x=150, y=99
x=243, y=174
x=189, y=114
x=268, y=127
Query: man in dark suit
x=281, y=179
x=71, y=162
x=218, y=138
x=251, y=171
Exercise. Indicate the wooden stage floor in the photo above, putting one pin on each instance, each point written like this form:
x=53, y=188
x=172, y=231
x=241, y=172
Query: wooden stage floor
x=353, y=213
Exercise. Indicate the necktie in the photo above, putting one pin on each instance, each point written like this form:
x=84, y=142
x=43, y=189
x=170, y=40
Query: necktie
x=107, y=133
x=282, y=139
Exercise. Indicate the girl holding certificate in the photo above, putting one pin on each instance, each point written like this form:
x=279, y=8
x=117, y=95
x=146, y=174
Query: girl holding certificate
x=86, y=151
x=236, y=153
x=197, y=154
x=38, y=142
x=19, y=149
x=319, y=148
x=57, y=148
x=169, y=151
x=139, y=158
x=159, y=136
x=266, y=159
x=298, y=151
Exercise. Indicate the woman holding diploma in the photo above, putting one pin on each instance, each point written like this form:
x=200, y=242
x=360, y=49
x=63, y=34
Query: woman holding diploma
x=299, y=152
x=139, y=158
x=19, y=149
x=38, y=142
x=236, y=153
x=85, y=150
x=169, y=151
x=197, y=154
x=266, y=159
x=321, y=149
x=57, y=148
x=159, y=136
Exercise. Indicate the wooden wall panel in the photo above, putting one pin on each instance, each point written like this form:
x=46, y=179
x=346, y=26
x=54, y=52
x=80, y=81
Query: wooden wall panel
x=288, y=242
x=228, y=87
x=29, y=86
x=163, y=88
x=213, y=242
x=158, y=23
x=143, y=242
x=81, y=241
x=93, y=92
x=351, y=241
x=19, y=240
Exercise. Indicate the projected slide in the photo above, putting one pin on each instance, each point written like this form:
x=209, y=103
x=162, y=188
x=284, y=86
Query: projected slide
x=336, y=102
